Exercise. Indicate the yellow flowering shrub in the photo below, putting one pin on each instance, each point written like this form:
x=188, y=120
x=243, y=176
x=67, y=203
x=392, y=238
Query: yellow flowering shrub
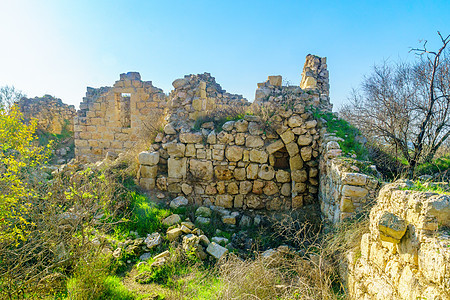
x=19, y=157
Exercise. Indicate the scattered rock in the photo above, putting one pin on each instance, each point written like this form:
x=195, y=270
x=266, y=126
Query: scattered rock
x=171, y=220
x=178, y=202
x=216, y=250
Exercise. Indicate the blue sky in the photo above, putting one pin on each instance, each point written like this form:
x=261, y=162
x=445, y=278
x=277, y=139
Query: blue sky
x=61, y=47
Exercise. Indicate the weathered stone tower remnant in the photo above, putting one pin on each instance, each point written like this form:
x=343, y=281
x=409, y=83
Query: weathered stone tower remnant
x=114, y=118
x=52, y=115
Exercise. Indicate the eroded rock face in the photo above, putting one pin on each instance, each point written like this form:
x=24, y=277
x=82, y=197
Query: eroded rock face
x=405, y=253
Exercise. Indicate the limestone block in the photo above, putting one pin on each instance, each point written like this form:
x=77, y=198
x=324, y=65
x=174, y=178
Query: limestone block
x=304, y=139
x=258, y=156
x=255, y=128
x=216, y=251
x=287, y=136
x=292, y=149
x=238, y=201
x=198, y=104
x=275, y=146
x=295, y=121
x=224, y=200
x=311, y=124
x=270, y=188
x=306, y=153
x=232, y=188
x=201, y=169
x=313, y=172
x=203, y=211
x=286, y=189
x=186, y=188
x=147, y=183
x=239, y=139
x=241, y=125
x=299, y=175
x=190, y=150
x=148, y=158
x=223, y=172
x=148, y=171
x=261, y=94
x=220, y=187
x=309, y=83
x=176, y=168
x=297, y=202
x=212, y=137
x=225, y=137
x=252, y=171
x=178, y=202
x=178, y=83
x=234, y=153
x=253, y=141
x=258, y=186
x=346, y=205
x=171, y=220
x=210, y=190
x=354, y=178
x=275, y=80
x=191, y=138
x=174, y=234
x=175, y=149
x=228, y=126
x=392, y=228
x=266, y=172
x=240, y=174
x=168, y=129
x=438, y=206
x=296, y=162
x=201, y=153
x=354, y=191
x=283, y=176
x=245, y=187
x=299, y=187
x=253, y=202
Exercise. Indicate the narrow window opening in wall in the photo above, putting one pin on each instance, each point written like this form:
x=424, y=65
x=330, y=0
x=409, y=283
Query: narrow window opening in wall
x=281, y=159
x=123, y=108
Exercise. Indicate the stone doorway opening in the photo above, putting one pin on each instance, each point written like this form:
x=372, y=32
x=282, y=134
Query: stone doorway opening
x=281, y=159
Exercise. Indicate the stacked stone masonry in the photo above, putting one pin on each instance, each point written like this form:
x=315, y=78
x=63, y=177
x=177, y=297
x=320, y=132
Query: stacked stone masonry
x=266, y=160
x=406, y=255
x=115, y=118
x=52, y=115
x=343, y=190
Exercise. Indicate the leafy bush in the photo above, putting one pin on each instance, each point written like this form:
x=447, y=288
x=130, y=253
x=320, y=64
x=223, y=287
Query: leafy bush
x=439, y=166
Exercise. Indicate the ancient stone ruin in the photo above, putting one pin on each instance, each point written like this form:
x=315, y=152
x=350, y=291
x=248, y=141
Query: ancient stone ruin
x=52, y=115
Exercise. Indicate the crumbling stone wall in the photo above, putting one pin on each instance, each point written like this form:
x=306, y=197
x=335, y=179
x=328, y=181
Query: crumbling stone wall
x=268, y=160
x=406, y=255
x=52, y=115
x=115, y=118
x=344, y=189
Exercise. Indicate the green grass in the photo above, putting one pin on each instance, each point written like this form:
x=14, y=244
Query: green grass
x=344, y=130
x=429, y=187
x=146, y=216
